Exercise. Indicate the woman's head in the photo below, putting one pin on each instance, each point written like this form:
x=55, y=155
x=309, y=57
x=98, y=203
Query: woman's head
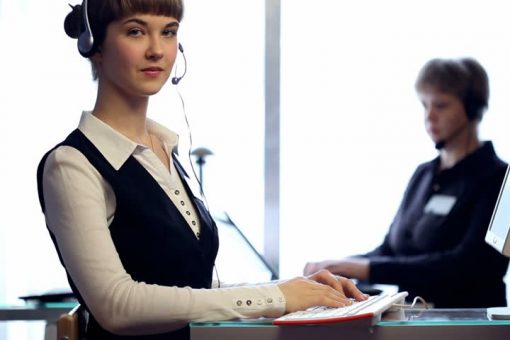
x=103, y=12
x=464, y=78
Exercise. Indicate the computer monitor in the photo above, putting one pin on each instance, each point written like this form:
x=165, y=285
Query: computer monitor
x=498, y=236
x=238, y=260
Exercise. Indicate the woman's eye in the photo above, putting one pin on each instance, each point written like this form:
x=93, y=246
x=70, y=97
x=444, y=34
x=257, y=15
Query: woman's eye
x=135, y=32
x=169, y=33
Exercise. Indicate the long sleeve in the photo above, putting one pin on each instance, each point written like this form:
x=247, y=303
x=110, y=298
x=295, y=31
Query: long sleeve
x=79, y=207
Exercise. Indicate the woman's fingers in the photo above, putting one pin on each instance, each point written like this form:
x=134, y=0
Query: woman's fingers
x=302, y=293
x=339, y=283
x=350, y=289
x=320, y=289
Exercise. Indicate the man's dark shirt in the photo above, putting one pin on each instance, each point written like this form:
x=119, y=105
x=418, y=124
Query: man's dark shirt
x=437, y=252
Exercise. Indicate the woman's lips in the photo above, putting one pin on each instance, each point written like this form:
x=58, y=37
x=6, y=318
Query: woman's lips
x=152, y=71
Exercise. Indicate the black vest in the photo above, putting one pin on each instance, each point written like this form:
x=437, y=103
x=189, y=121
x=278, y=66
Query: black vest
x=154, y=241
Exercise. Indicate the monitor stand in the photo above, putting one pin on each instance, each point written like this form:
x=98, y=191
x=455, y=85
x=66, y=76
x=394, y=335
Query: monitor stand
x=498, y=313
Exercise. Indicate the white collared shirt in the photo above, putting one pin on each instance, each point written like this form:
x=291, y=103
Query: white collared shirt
x=80, y=205
x=117, y=148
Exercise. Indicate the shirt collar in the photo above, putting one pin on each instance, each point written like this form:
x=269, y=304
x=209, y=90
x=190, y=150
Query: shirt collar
x=474, y=163
x=116, y=147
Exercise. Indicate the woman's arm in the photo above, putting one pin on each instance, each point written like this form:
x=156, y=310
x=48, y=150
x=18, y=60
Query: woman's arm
x=79, y=207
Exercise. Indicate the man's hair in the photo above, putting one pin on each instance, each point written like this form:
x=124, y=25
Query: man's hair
x=464, y=78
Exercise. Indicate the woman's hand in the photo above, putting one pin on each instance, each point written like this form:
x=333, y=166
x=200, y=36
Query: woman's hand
x=319, y=289
x=351, y=267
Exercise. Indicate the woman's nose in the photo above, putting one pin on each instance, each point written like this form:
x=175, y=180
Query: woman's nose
x=155, y=49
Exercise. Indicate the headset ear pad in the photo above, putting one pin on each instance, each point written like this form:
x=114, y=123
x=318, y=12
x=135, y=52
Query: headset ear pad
x=86, y=39
x=474, y=107
x=86, y=44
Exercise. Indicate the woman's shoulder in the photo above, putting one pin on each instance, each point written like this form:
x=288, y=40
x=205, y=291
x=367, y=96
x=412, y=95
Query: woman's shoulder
x=64, y=163
x=64, y=155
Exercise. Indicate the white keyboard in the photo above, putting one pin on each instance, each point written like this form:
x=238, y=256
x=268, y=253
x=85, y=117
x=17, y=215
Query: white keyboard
x=372, y=308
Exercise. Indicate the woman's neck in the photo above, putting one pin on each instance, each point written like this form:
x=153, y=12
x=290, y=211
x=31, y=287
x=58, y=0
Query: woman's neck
x=126, y=116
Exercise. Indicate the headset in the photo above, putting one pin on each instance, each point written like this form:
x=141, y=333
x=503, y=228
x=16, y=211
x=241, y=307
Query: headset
x=87, y=46
x=176, y=80
x=474, y=103
x=474, y=106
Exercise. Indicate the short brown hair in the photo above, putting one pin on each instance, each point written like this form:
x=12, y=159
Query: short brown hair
x=464, y=78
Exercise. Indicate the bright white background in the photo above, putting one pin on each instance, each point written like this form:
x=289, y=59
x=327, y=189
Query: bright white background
x=351, y=130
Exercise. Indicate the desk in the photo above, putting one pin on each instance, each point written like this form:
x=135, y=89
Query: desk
x=46, y=312
x=436, y=324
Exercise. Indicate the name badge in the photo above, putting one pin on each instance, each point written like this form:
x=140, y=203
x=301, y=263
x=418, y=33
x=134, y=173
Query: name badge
x=440, y=205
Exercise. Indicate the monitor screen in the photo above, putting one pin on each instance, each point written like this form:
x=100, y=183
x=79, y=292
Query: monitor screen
x=498, y=234
x=238, y=261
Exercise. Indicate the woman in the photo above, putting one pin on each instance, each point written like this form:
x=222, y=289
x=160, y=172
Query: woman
x=138, y=247
x=435, y=246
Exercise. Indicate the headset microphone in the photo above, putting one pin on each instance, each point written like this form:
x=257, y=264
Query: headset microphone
x=439, y=145
x=176, y=80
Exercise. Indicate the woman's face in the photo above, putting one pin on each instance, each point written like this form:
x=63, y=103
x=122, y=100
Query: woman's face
x=444, y=114
x=137, y=55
